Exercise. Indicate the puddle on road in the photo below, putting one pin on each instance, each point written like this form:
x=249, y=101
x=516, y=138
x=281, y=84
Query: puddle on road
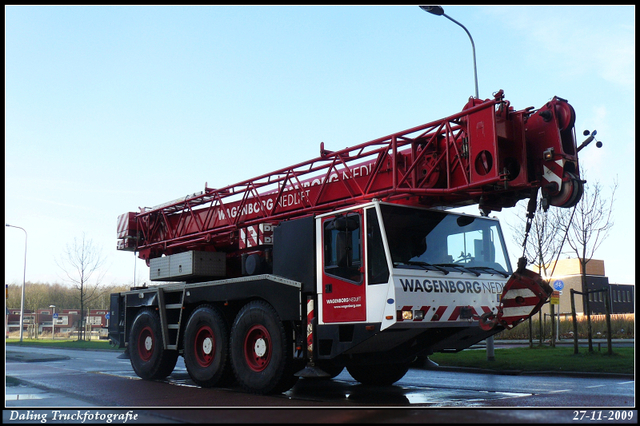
x=336, y=391
x=345, y=391
x=437, y=397
x=181, y=381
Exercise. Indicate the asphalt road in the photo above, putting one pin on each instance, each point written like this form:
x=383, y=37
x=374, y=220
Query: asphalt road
x=56, y=379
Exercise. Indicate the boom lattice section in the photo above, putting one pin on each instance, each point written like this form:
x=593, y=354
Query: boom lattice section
x=478, y=156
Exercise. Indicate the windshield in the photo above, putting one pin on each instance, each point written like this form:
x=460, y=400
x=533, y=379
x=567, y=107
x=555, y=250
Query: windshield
x=444, y=241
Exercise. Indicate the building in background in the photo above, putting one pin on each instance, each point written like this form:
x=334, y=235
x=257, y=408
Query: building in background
x=67, y=321
x=567, y=275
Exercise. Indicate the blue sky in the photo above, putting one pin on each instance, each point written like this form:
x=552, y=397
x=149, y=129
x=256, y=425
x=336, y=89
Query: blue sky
x=111, y=108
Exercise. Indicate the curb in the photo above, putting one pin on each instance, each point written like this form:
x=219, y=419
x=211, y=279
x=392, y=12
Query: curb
x=528, y=373
x=31, y=357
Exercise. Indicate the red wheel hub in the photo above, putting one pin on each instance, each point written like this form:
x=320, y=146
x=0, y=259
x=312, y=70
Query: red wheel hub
x=204, y=346
x=257, y=348
x=146, y=343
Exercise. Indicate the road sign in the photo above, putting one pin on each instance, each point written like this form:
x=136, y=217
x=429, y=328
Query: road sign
x=55, y=315
x=558, y=285
x=107, y=315
x=555, y=298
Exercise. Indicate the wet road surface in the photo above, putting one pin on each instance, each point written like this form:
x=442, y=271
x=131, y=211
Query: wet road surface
x=100, y=379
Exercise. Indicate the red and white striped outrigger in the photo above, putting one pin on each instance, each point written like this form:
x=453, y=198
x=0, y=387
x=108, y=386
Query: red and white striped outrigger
x=522, y=296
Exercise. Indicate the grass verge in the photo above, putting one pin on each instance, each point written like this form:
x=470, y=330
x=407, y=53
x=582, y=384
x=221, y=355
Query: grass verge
x=542, y=358
x=12, y=381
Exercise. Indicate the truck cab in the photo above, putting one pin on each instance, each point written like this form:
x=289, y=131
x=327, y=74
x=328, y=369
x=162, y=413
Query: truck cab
x=391, y=276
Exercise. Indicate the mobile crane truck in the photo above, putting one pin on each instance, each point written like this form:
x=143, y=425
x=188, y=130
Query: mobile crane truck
x=351, y=259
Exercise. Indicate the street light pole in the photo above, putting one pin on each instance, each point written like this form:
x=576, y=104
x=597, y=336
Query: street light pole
x=53, y=324
x=439, y=11
x=24, y=280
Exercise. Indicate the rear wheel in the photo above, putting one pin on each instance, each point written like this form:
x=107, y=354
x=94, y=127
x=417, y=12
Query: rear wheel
x=149, y=359
x=378, y=374
x=206, y=347
x=261, y=350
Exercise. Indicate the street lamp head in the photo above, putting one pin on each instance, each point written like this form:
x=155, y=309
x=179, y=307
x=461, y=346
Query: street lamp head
x=434, y=10
x=439, y=11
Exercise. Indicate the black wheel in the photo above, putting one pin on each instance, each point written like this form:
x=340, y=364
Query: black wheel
x=379, y=374
x=206, y=347
x=149, y=359
x=262, y=350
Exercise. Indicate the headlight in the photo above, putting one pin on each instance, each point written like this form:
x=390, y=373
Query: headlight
x=409, y=315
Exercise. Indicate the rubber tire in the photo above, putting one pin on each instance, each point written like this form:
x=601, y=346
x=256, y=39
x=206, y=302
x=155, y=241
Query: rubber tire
x=379, y=374
x=207, y=370
x=262, y=350
x=150, y=362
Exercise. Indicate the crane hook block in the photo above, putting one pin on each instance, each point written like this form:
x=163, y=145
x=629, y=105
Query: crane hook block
x=523, y=296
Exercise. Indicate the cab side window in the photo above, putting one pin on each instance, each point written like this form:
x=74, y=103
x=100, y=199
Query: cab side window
x=343, y=247
x=377, y=262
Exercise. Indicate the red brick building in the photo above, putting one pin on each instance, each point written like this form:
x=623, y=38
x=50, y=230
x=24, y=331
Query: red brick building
x=67, y=321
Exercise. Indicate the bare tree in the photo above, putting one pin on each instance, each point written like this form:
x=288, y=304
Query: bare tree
x=82, y=264
x=591, y=222
x=36, y=296
x=545, y=238
x=543, y=246
x=62, y=296
x=587, y=229
x=13, y=295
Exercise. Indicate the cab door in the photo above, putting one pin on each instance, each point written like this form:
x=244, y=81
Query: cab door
x=343, y=277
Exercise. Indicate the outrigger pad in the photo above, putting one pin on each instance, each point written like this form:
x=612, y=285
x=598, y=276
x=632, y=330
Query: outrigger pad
x=523, y=296
x=311, y=371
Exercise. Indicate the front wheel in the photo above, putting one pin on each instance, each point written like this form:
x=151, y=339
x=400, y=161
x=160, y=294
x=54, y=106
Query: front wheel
x=149, y=359
x=261, y=350
x=379, y=374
